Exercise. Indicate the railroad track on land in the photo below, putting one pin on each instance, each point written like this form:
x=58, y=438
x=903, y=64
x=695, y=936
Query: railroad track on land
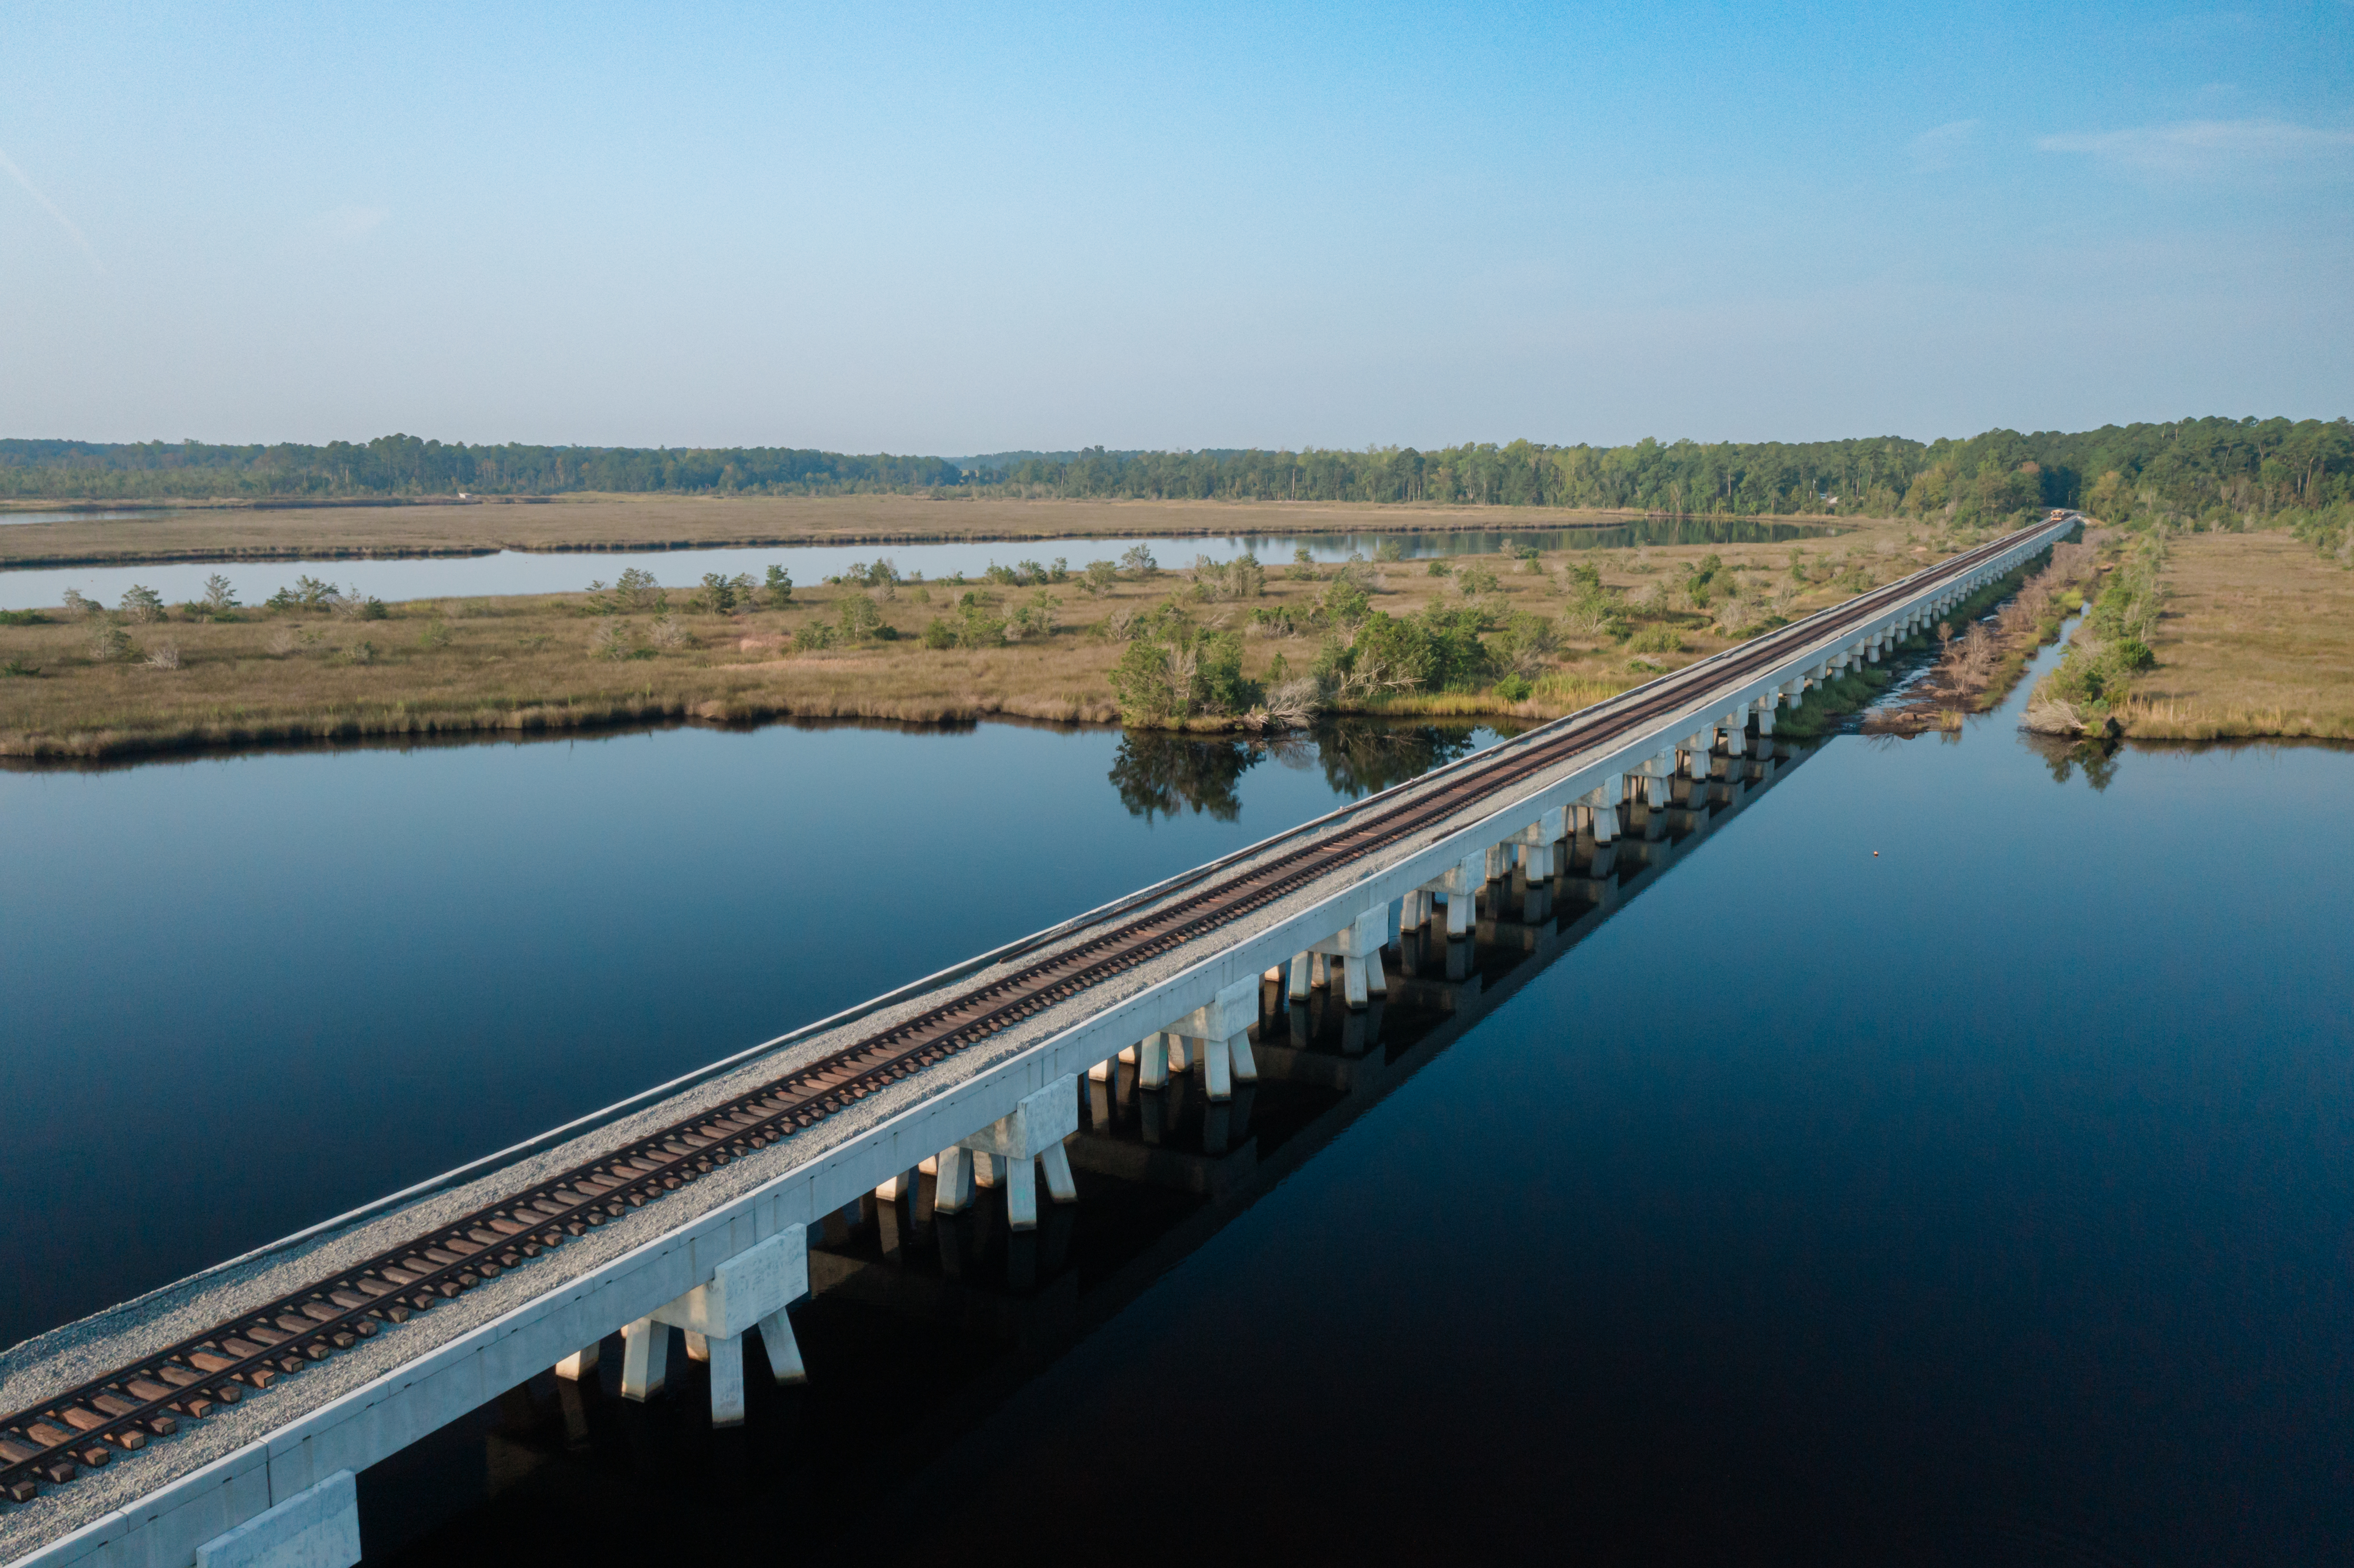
x=52, y=1442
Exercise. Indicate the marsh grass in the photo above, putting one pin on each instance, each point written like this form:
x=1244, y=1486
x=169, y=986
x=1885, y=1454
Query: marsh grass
x=529, y=662
x=2256, y=639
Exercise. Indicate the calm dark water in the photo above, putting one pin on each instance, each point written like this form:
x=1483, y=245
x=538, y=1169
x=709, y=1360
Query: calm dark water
x=1988, y=1198
x=244, y=995
x=524, y=571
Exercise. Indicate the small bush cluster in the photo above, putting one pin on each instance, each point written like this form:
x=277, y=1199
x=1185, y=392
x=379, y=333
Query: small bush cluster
x=1175, y=671
x=616, y=642
x=307, y=594
x=1241, y=578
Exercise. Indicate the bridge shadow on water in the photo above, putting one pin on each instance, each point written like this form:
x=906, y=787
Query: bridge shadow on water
x=921, y=1327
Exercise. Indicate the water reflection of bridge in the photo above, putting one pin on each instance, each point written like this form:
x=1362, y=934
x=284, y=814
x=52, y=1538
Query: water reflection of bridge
x=920, y=1321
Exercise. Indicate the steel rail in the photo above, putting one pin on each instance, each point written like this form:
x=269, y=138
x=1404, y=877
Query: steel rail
x=120, y=1410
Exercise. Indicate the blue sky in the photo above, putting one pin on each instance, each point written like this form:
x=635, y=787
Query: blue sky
x=969, y=228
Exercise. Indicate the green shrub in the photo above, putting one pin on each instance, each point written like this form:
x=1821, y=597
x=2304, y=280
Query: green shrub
x=814, y=638
x=724, y=595
x=1036, y=618
x=1274, y=620
x=22, y=617
x=1177, y=673
x=939, y=634
x=1514, y=688
x=1525, y=644
x=1345, y=602
x=1657, y=638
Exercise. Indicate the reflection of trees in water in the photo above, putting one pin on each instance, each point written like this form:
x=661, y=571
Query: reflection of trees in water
x=1161, y=775
x=1164, y=775
x=1362, y=757
x=2063, y=755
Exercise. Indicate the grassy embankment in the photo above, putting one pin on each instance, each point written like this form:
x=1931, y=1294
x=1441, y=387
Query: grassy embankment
x=94, y=685
x=2255, y=638
x=214, y=531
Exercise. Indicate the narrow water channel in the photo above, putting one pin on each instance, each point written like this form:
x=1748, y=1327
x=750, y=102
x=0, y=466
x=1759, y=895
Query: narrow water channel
x=1944, y=1152
x=559, y=571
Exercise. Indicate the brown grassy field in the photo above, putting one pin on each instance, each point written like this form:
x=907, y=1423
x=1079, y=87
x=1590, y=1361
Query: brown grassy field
x=525, y=663
x=684, y=522
x=2257, y=639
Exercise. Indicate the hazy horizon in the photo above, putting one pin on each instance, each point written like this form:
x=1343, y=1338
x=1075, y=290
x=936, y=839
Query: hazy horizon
x=976, y=230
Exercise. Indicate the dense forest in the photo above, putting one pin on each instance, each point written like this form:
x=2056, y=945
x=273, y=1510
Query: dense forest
x=403, y=465
x=2213, y=471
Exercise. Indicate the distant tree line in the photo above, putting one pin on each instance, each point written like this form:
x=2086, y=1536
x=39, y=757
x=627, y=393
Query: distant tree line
x=2213, y=471
x=401, y=465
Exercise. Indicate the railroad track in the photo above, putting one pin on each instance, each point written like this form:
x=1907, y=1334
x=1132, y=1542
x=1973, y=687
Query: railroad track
x=53, y=1442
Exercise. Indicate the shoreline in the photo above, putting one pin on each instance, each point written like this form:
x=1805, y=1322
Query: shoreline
x=601, y=525
x=189, y=684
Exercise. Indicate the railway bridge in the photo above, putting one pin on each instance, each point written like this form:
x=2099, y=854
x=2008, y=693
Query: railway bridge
x=221, y=1421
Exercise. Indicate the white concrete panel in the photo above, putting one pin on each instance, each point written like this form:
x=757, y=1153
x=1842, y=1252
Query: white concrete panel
x=316, y=1527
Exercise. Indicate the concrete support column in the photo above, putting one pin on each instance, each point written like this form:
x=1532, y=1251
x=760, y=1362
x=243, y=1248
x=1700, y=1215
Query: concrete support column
x=750, y=1290
x=784, y=1350
x=726, y=1358
x=1736, y=732
x=1657, y=791
x=1054, y=1165
x=581, y=1364
x=646, y=1358
x=1358, y=946
x=1021, y=1194
x=1032, y=1135
x=1766, y=720
x=1461, y=885
x=952, y=1194
x=1299, y=986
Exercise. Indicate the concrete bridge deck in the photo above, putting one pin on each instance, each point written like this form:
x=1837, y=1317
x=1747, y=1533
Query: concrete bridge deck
x=267, y=1480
